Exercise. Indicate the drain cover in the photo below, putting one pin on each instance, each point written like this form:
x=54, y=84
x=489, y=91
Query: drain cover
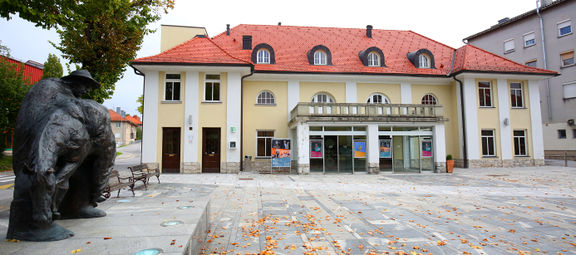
x=171, y=223
x=153, y=251
x=497, y=175
x=246, y=179
x=185, y=207
x=124, y=201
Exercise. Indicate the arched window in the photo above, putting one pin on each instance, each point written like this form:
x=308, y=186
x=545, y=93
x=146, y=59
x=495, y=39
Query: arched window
x=373, y=59
x=263, y=57
x=424, y=60
x=320, y=58
x=429, y=99
x=265, y=97
x=322, y=98
x=378, y=98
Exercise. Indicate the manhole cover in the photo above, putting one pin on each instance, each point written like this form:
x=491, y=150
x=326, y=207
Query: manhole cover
x=153, y=251
x=171, y=223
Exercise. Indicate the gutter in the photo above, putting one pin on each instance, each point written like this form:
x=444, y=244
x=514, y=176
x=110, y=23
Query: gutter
x=548, y=97
x=242, y=116
x=138, y=72
x=464, y=143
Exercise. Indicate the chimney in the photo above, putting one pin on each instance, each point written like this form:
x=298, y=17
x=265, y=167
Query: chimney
x=123, y=114
x=246, y=42
x=118, y=110
x=279, y=23
x=369, y=31
x=227, y=29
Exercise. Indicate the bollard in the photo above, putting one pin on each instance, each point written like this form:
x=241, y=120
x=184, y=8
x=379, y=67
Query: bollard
x=566, y=158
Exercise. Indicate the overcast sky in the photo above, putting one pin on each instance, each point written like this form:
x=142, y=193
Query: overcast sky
x=446, y=21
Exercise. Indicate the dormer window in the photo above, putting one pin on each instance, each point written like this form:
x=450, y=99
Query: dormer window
x=373, y=59
x=263, y=54
x=421, y=58
x=263, y=57
x=320, y=58
x=424, y=61
x=319, y=55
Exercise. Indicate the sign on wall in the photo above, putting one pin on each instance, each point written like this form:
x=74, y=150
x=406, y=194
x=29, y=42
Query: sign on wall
x=385, y=148
x=360, y=149
x=281, y=152
x=316, y=148
x=427, y=148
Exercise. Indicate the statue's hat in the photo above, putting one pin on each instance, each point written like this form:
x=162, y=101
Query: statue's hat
x=83, y=77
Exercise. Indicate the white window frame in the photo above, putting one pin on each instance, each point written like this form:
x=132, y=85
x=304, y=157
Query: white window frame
x=520, y=142
x=324, y=97
x=320, y=58
x=213, y=82
x=509, y=46
x=423, y=61
x=265, y=98
x=491, y=152
x=490, y=104
x=429, y=99
x=516, y=91
x=263, y=56
x=373, y=59
x=535, y=61
x=529, y=39
x=562, y=60
x=172, y=82
x=118, y=124
x=563, y=24
x=266, y=150
x=569, y=90
x=377, y=98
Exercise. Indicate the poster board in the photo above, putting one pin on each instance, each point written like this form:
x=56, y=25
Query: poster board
x=426, y=148
x=385, y=148
x=360, y=149
x=316, y=148
x=281, y=152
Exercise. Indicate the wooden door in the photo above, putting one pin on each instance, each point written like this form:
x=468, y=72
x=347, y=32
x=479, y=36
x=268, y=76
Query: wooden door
x=211, y=150
x=171, y=150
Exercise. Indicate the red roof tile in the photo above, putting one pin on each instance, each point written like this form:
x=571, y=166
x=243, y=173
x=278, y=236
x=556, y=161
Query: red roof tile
x=114, y=116
x=292, y=43
x=473, y=59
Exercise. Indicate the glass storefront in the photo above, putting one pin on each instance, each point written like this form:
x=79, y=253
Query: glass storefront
x=337, y=149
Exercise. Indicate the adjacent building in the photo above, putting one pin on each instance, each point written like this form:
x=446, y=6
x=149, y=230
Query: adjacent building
x=543, y=38
x=348, y=100
x=124, y=126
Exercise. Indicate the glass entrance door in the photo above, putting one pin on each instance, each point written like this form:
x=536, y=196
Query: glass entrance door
x=330, y=154
x=406, y=154
x=345, y=154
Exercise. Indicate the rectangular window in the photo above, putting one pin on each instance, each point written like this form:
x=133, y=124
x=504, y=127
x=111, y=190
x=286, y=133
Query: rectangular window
x=520, y=143
x=488, y=143
x=117, y=124
x=172, y=87
x=516, y=97
x=531, y=63
x=569, y=90
x=509, y=46
x=264, y=143
x=529, y=39
x=565, y=28
x=485, y=93
x=567, y=58
x=212, y=87
x=561, y=133
x=574, y=133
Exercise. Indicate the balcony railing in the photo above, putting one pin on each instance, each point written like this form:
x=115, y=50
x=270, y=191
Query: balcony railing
x=367, y=112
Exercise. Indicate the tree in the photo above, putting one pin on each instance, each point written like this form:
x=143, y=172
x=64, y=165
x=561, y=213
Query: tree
x=141, y=106
x=13, y=89
x=52, y=67
x=100, y=35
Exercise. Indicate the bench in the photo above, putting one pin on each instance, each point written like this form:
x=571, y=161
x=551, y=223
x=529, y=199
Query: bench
x=116, y=182
x=143, y=173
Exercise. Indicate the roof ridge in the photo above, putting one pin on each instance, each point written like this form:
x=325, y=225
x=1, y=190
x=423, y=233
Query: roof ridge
x=509, y=60
x=227, y=53
x=427, y=38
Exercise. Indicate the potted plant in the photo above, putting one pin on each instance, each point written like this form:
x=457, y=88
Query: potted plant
x=449, y=164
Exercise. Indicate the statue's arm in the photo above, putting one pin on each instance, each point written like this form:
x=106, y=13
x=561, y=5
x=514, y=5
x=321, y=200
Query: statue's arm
x=103, y=166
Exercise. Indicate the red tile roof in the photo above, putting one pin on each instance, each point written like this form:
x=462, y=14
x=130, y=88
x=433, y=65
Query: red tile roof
x=473, y=59
x=291, y=44
x=32, y=73
x=115, y=117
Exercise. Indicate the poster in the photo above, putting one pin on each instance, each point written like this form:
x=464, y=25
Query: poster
x=427, y=148
x=360, y=149
x=315, y=148
x=385, y=148
x=281, y=153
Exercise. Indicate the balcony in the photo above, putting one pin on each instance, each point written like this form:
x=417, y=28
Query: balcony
x=324, y=112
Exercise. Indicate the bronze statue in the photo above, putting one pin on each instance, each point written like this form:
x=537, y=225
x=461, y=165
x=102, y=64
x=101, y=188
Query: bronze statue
x=64, y=150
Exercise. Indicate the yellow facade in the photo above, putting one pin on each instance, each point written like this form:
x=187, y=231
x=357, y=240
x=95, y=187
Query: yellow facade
x=175, y=35
x=520, y=118
x=391, y=91
x=489, y=118
x=335, y=89
x=169, y=114
x=264, y=117
x=212, y=115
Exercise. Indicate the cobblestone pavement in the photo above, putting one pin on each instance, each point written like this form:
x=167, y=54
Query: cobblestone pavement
x=473, y=211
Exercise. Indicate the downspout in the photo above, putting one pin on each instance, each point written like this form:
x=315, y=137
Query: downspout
x=464, y=143
x=138, y=72
x=242, y=117
x=548, y=97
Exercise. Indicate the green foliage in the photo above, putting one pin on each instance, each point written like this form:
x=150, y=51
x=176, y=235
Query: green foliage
x=449, y=157
x=4, y=51
x=52, y=67
x=141, y=106
x=13, y=89
x=138, y=133
x=104, y=35
x=5, y=163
